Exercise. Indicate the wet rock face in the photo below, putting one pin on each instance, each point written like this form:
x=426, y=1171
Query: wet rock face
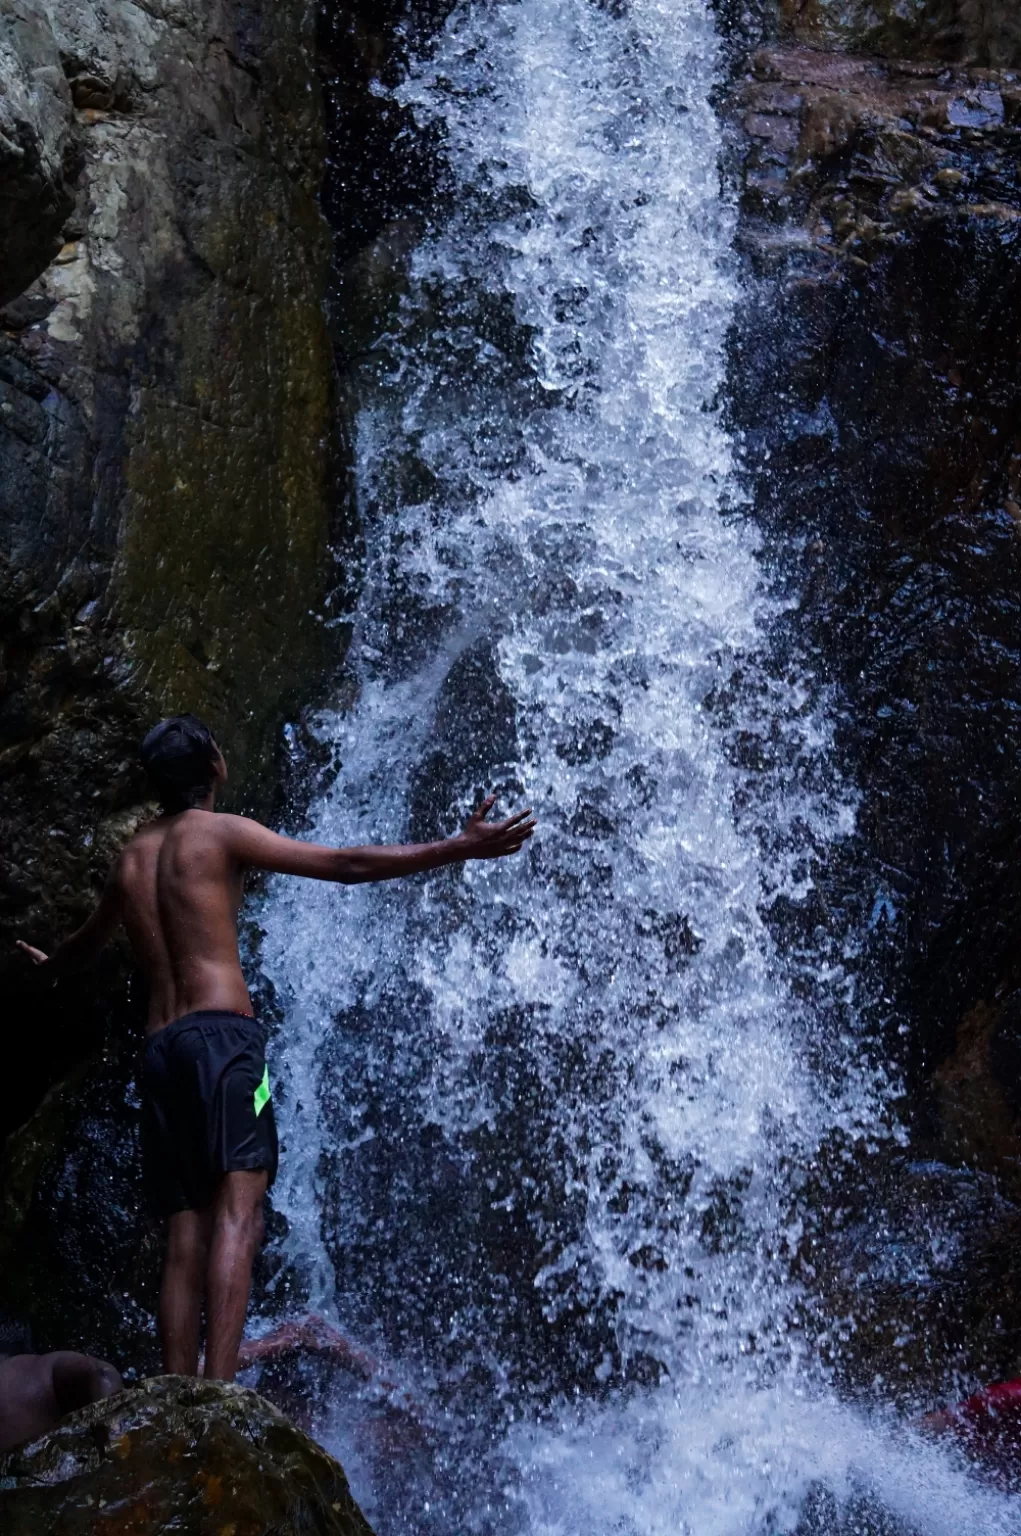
x=175, y=1454
x=381, y=167
x=963, y=31
x=921, y=1280
x=877, y=379
x=882, y=221
x=853, y=158
x=37, y=160
x=168, y=507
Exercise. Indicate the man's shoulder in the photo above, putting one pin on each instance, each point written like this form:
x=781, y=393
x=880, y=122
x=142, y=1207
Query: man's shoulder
x=229, y=825
x=221, y=827
x=142, y=844
x=238, y=836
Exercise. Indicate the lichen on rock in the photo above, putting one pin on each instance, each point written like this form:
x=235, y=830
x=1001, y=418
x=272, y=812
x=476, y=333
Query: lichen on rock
x=176, y=1454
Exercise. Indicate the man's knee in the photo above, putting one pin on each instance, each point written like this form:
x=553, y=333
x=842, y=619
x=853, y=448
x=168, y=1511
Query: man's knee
x=187, y=1240
x=239, y=1204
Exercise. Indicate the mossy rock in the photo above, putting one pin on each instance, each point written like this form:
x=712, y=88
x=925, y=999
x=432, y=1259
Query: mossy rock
x=182, y=1455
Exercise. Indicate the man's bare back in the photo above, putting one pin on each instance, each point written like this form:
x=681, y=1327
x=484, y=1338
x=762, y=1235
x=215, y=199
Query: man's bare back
x=209, y=1142
x=178, y=887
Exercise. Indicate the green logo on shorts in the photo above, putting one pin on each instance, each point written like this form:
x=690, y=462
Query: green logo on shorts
x=262, y=1093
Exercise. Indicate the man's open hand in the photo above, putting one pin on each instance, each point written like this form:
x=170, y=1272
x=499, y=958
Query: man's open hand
x=484, y=839
x=35, y=955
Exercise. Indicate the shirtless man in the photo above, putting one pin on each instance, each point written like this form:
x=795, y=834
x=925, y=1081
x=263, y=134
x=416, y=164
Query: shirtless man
x=36, y=1391
x=209, y=1139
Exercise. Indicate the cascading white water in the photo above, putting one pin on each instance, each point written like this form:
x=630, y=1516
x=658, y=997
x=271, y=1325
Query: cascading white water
x=539, y=1117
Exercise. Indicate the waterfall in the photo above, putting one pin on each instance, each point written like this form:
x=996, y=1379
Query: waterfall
x=546, y=1121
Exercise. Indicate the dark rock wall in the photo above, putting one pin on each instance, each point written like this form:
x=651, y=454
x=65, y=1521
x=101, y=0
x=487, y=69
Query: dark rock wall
x=79, y=1255
x=37, y=159
x=379, y=166
x=876, y=375
x=169, y=496
x=879, y=378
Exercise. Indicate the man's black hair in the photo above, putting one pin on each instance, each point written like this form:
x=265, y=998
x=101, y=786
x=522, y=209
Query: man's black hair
x=179, y=756
x=15, y=1335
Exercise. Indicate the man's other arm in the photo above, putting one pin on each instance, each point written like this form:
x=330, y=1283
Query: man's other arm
x=82, y=946
x=258, y=848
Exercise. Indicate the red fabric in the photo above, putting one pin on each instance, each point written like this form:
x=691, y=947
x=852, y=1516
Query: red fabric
x=988, y=1428
x=999, y=1404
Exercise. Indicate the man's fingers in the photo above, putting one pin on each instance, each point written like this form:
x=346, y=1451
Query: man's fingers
x=496, y=838
x=512, y=821
x=35, y=955
x=518, y=829
x=518, y=838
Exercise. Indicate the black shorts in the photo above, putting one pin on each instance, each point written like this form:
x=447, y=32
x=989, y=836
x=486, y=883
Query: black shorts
x=206, y=1108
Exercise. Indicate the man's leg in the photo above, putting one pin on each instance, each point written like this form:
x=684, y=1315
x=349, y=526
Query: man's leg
x=184, y=1276
x=235, y=1240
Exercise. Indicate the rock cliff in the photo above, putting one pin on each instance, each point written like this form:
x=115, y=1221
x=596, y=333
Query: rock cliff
x=167, y=501
x=877, y=381
x=173, y=1454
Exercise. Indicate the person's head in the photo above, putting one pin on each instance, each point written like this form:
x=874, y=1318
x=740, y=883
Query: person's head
x=183, y=762
x=15, y=1336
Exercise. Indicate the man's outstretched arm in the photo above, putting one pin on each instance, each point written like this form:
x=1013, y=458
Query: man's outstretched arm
x=82, y=946
x=258, y=848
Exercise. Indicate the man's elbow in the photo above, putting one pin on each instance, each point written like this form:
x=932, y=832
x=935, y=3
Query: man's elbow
x=73, y=957
x=346, y=869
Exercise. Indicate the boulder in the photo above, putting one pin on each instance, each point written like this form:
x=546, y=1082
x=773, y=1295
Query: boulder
x=175, y=1454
